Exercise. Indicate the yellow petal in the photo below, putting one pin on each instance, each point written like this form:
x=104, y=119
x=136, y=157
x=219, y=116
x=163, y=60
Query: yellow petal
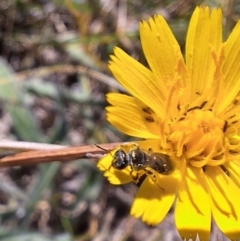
x=157, y=194
x=151, y=202
x=204, y=34
x=160, y=47
x=216, y=25
x=130, y=123
x=113, y=175
x=121, y=100
x=224, y=201
x=138, y=80
x=132, y=117
x=192, y=211
x=231, y=66
x=155, y=145
x=233, y=167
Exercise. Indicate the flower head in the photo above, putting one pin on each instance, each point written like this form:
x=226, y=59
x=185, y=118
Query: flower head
x=187, y=109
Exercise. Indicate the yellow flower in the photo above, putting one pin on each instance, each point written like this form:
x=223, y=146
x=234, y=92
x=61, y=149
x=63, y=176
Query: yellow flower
x=188, y=109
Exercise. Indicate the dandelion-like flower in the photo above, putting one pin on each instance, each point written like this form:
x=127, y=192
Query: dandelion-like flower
x=187, y=109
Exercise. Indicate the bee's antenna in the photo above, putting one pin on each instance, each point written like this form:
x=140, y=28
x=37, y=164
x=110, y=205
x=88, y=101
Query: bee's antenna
x=101, y=148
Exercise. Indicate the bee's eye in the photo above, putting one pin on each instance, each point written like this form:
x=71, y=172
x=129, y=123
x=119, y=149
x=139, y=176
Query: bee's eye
x=120, y=160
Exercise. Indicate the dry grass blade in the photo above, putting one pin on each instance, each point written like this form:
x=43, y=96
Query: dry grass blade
x=44, y=71
x=62, y=155
x=20, y=146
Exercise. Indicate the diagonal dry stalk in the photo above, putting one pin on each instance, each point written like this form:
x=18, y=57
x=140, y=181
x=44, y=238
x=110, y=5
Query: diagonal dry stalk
x=44, y=153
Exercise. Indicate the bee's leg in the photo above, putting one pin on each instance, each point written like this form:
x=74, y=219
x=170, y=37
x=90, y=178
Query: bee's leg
x=135, y=146
x=153, y=177
x=141, y=180
x=151, y=174
x=149, y=151
x=134, y=175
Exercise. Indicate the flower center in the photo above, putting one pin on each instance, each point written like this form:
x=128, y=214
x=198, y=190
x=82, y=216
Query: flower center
x=200, y=137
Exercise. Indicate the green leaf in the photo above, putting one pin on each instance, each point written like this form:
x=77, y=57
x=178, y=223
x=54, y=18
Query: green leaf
x=8, y=84
x=25, y=124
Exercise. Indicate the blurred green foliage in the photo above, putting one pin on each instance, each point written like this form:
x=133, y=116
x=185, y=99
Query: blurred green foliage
x=45, y=97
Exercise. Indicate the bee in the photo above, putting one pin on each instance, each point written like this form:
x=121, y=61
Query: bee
x=139, y=160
